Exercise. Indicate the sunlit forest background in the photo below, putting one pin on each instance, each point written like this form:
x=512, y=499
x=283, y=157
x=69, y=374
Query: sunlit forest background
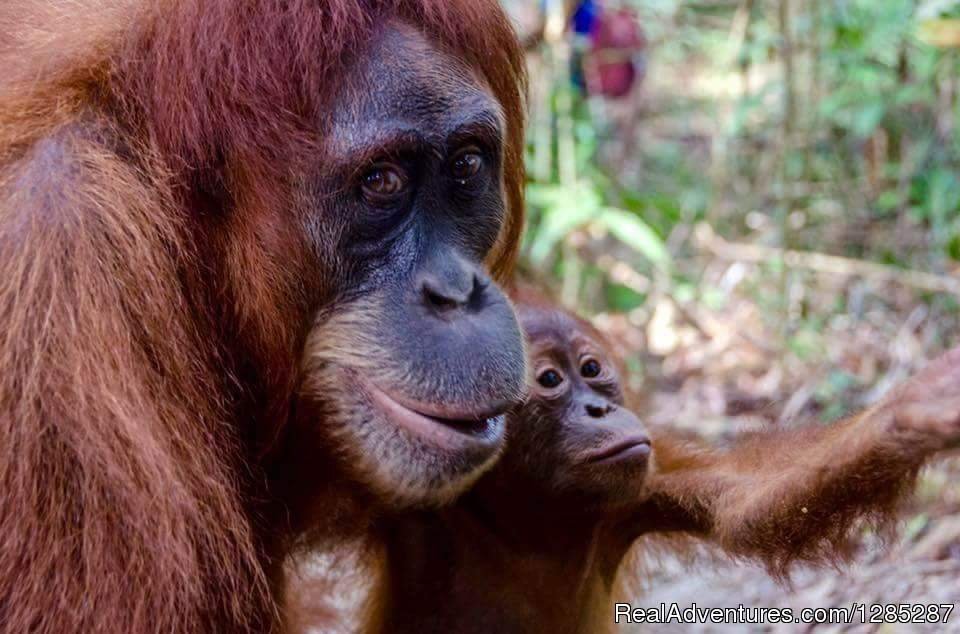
x=758, y=201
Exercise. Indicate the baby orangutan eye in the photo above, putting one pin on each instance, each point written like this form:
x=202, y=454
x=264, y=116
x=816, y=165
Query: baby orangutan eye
x=549, y=379
x=590, y=368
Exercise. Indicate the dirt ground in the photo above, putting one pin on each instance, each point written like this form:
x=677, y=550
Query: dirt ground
x=922, y=567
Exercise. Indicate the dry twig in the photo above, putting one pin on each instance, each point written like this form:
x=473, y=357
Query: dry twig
x=705, y=238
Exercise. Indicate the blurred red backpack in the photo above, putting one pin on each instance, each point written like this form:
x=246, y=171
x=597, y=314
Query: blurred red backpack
x=614, y=60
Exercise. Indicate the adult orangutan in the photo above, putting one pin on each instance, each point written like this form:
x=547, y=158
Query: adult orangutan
x=189, y=191
x=537, y=544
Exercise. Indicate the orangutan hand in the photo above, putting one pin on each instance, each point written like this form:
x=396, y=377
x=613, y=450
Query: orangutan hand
x=925, y=411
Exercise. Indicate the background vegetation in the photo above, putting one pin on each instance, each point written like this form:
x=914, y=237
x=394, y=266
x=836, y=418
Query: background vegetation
x=768, y=222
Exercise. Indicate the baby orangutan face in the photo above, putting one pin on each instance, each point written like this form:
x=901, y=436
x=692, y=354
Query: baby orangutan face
x=573, y=437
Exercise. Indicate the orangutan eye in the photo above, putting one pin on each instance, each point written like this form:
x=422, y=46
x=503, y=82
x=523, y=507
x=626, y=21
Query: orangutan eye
x=383, y=183
x=549, y=379
x=590, y=369
x=466, y=164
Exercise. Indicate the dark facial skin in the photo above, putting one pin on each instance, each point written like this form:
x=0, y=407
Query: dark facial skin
x=578, y=440
x=409, y=373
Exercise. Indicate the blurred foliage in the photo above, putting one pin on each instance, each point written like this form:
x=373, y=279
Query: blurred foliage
x=873, y=129
x=801, y=127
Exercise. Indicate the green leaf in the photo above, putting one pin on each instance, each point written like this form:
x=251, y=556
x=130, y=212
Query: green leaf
x=867, y=118
x=888, y=200
x=953, y=248
x=943, y=195
x=915, y=526
x=564, y=209
x=623, y=299
x=636, y=234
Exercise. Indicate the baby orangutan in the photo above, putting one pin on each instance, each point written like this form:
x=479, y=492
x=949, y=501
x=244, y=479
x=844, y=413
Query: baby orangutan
x=536, y=545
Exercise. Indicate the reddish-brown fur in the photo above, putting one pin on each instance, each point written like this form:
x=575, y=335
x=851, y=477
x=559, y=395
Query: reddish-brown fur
x=149, y=334
x=789, y=495
x=516, y=554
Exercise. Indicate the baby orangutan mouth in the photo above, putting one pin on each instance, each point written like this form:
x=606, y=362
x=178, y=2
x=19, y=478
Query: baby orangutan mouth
x=439, y=424
x=632, y=449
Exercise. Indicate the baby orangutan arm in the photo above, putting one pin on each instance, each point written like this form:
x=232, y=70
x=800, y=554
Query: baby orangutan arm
x=798, y=494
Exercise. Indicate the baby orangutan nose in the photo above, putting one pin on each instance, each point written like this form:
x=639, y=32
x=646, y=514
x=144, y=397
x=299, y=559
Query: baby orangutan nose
x=599, y=411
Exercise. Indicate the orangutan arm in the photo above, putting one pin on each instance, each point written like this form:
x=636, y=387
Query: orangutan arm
x=798, y=494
